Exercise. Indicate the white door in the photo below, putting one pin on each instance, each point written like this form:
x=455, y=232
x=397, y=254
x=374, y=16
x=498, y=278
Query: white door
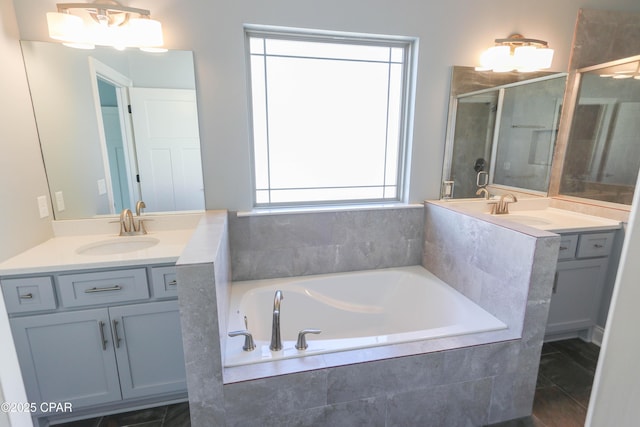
x=165, y=128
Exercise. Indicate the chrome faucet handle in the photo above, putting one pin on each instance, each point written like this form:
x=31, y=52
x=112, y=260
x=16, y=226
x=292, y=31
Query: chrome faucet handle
x=302, y=340
x=249, y=345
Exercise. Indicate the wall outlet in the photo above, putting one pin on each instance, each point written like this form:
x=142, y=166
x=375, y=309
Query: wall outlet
x=447, y=189
x=102, y=187
x=42, y=206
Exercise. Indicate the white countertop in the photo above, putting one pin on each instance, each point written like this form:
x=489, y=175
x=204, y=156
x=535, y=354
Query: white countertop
x=60, y=252
x=534, y=213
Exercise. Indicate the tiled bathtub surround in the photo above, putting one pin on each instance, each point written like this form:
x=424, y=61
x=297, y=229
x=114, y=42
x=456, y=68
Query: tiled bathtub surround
x=285, y=245
x=453, y=381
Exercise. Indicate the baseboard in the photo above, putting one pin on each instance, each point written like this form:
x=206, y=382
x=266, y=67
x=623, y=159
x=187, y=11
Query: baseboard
x=597, y=335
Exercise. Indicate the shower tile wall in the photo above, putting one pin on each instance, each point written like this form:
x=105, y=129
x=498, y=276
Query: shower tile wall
x=267, y=246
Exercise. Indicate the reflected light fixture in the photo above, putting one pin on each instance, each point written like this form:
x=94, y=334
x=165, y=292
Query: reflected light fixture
x=516, y=53
x=105, y=23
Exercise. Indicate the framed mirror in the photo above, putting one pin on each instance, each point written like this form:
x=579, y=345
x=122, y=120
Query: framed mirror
x=602, y=157
x=116, y=127
x=502, y=129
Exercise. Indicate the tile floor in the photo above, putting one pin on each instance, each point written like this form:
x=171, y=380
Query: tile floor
x=164, y=416
x=562, y=394
x=564, y=384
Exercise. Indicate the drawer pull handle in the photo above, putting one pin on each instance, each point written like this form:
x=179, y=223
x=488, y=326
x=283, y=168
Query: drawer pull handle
x=564, y=248
x=111, y=288
x=27, y=296
x=554, y=290
x=598, y=246
x=102, y=338
x=173, y=283
x=115, y=332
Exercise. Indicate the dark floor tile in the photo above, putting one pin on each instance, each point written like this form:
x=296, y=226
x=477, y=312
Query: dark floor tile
x=554, y=408
x=567, y=375
x=543, y=381
x=548, y=347
x=177, y=416
x=134, y=418
x=584, y=353
x=531, y=421
x=92, y=422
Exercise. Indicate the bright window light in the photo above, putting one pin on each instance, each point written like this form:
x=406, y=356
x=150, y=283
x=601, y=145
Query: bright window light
x=329, y=117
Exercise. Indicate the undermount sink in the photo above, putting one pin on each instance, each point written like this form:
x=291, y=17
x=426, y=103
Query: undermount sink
x=525, y=219
x=118, y=245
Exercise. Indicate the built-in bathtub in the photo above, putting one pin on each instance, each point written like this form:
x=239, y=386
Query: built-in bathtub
x=353, y=310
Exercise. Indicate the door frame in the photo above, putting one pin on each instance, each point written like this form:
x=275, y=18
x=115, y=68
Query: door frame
x=122, y=84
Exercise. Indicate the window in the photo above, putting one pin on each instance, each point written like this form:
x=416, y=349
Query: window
x=329, y=116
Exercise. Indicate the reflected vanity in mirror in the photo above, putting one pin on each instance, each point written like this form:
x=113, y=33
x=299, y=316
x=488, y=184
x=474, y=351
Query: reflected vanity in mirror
x=603, y=154
x=116, y=127
x=501, y=130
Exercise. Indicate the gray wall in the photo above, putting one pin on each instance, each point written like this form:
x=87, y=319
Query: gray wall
x=266, y=246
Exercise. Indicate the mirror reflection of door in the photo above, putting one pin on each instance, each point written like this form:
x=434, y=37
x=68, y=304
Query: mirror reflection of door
x=115, y=145
x=165, y=126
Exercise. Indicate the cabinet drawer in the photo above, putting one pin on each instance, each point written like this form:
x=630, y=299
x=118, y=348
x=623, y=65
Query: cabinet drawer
x=595, y=244
x=28, y=294
x=103, y=287
x=568, y=245
x=164, y=282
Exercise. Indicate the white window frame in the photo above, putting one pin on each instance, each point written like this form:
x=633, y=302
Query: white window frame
x=410, y=45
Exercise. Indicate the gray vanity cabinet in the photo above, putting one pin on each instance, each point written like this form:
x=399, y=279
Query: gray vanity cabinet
x=106, y=339
x=579, y=280
x=63, y=358
x=148, y=348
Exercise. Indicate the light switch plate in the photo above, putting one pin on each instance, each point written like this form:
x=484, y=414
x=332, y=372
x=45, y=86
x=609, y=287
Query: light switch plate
x=102, y=187
x=42, y=206
x=59, y=201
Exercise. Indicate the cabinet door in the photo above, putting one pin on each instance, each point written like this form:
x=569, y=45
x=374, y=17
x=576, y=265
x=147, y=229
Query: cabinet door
x=148, y=342
x=67, y=357
x=576, y=294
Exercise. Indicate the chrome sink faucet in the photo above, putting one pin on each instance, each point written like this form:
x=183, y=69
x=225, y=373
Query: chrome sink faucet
x=276, y=339
x=502, y=206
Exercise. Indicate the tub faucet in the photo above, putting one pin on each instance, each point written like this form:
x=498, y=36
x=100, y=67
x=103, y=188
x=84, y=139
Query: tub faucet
x=276, y=339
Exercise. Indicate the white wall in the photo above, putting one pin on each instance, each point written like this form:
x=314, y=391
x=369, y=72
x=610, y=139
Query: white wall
x=616, y=389
x=22, y=180
x=452, y=32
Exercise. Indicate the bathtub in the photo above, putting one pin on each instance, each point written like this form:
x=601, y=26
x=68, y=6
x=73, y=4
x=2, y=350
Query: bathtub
x=353, y=310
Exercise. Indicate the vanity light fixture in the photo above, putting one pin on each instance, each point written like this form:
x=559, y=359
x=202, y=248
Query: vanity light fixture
x=516, y=53
x=105, y=23
x=623, y=71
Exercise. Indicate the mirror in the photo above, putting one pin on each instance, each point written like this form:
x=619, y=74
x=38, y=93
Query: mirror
x=603, y=155
x=116, y=127
x=502, y=130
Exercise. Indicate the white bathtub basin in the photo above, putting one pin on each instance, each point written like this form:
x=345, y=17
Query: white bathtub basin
x=353, y=310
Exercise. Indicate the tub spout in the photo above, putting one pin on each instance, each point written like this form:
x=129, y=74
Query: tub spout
x=276, y=339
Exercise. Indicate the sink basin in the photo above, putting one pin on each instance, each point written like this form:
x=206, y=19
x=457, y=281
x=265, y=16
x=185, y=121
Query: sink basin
x=526, y=219
x=118, y=245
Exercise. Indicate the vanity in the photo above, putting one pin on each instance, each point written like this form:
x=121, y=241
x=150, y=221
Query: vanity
x=95, y=319
x=581, y=276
